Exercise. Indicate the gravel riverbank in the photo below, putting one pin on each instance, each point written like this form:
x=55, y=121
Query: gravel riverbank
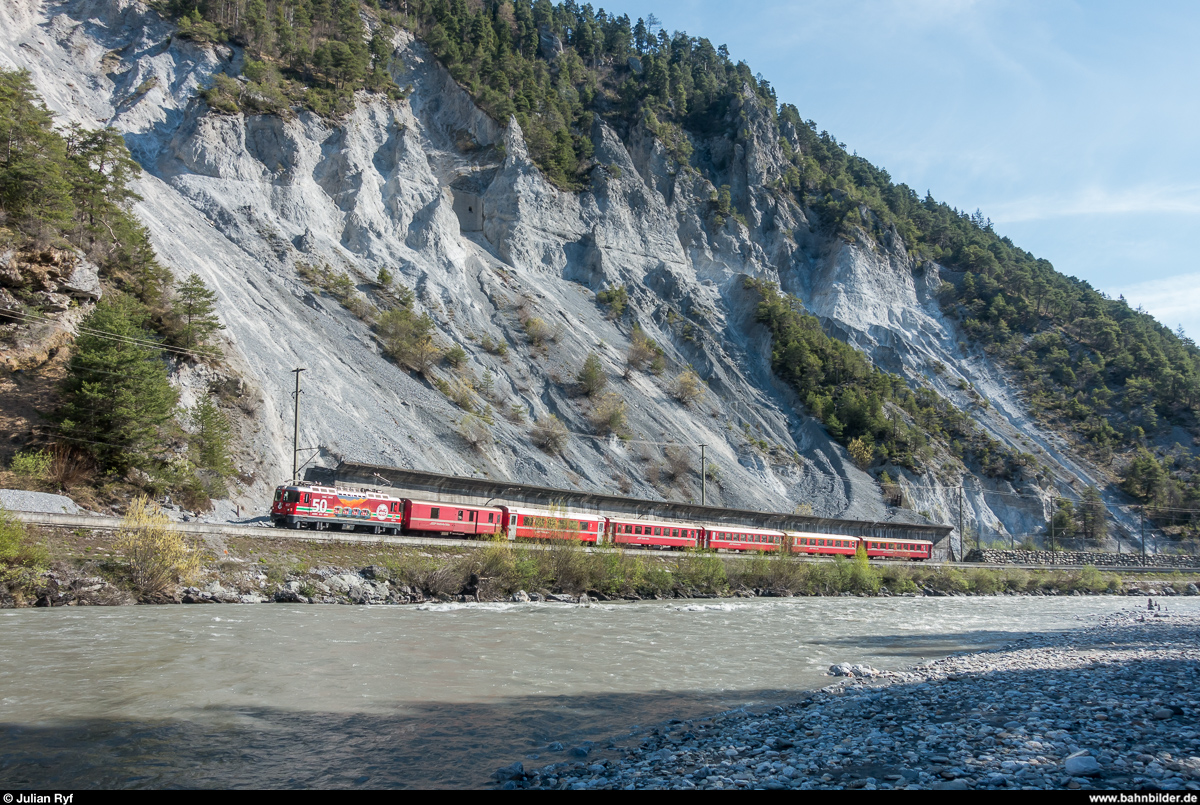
x=1112, y=705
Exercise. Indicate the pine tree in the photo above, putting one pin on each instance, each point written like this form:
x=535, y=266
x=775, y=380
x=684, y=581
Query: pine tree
x=195, y=311
x=34, y=189
x=210, y=442
x=117, y=394
x=591, y=377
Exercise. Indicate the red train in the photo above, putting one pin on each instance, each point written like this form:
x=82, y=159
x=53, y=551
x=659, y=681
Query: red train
x=323, y=508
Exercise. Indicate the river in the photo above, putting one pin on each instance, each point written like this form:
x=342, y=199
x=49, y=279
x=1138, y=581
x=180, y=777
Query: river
x=431, y=696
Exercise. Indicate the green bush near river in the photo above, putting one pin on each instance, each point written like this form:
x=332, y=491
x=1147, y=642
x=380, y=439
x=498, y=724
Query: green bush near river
x=504, y=569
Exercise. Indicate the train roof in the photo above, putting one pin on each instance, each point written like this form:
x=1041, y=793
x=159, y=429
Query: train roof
x=671, y=523
x=368, y=492
x=559, y=513
x=442, y=503
x=741, y=529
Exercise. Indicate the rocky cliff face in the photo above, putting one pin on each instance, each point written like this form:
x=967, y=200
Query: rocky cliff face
x=447, y=200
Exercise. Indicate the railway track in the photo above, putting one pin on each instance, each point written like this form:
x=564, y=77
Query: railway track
x=106, y=523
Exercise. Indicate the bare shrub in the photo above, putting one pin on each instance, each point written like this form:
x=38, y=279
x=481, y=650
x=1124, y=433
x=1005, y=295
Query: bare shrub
x=474, y=431
x=549, y=434
x=644, y=353
x=358, y=304
x=433, y=575
x=154, y=550
x=679, y=461
x=688, y=388
x=861, y=453
x=407, y=338
x=462, y=395
x=609, y=415
x=537, y=331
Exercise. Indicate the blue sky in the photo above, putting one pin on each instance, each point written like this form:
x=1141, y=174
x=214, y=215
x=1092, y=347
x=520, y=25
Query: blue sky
x=1073, y=126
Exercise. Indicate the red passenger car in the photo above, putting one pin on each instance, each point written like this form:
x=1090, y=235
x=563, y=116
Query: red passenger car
x=661, y=534
x=422, y=517
x=548, y=524
x=911, y=549
x=740, y=538
x=811, y=544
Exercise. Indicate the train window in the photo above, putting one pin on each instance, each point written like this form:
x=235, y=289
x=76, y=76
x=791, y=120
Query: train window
x=460, y=515
x=628, y=528
x=658, y=532
x=435, y=514
x=471, y=517
x=674, y=532
x=491, y=517
x=637, y=529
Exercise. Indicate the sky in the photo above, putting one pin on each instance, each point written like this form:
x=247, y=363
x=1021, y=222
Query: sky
x=1073, y=126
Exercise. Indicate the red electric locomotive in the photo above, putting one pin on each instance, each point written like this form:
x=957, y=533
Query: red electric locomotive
x=324, y=507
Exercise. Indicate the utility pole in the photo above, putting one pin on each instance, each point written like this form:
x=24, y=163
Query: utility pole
x=703, y=474
x=1142, y=517
x=296, y=429
x=960, y=523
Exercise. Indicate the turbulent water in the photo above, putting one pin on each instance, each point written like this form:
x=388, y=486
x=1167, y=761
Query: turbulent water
x=280, y=696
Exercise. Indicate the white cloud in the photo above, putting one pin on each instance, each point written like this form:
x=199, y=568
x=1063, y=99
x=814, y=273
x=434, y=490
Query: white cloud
x=1173, y=300
x=1101, y=201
